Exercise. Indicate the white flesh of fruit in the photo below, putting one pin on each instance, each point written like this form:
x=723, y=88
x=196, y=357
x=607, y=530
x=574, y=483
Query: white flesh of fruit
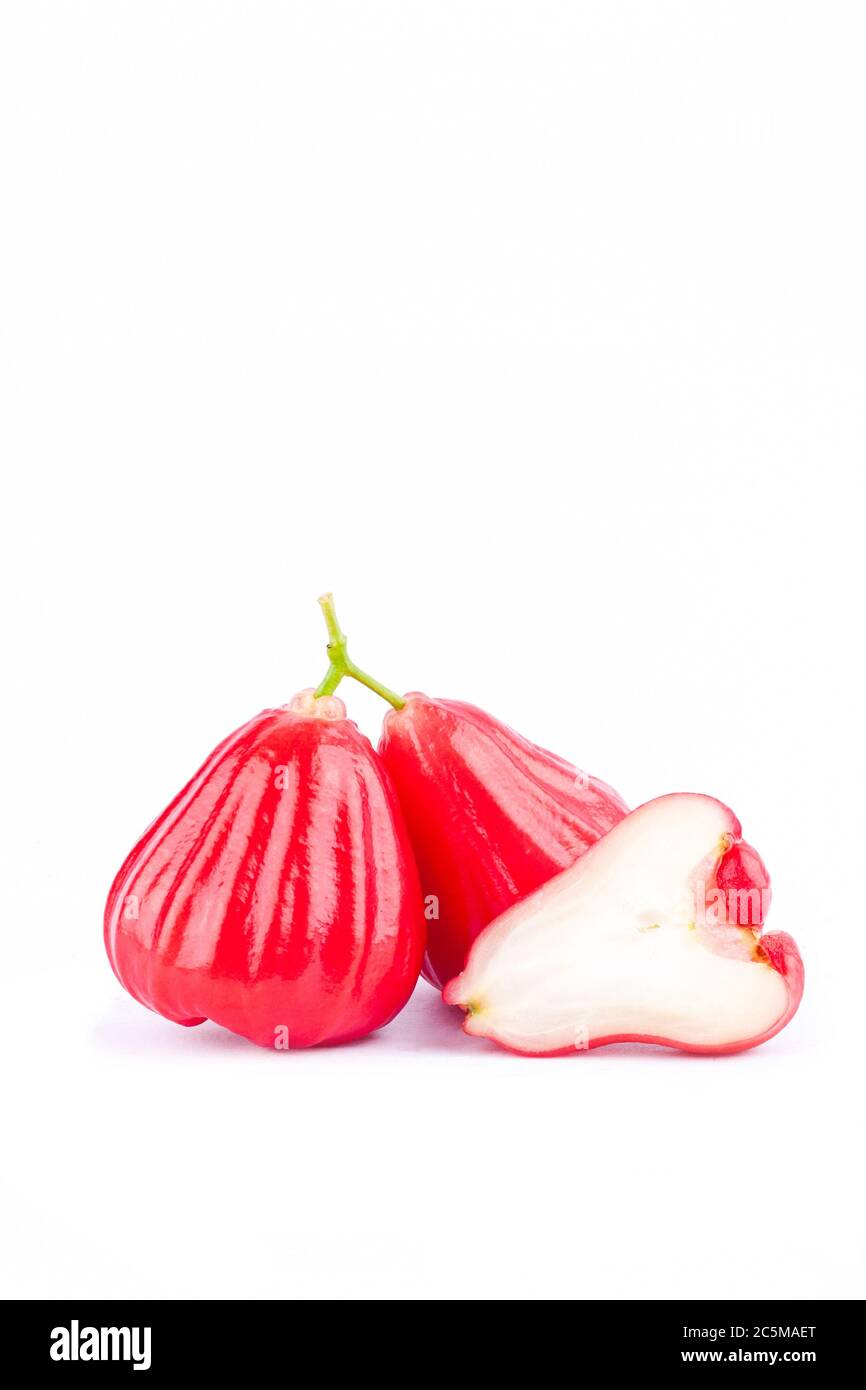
x=615, y=947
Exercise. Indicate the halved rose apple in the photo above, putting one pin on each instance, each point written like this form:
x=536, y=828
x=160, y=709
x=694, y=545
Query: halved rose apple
x=637, y=942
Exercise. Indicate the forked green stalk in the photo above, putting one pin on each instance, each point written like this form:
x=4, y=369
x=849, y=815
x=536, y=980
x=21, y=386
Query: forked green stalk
x=342, y=664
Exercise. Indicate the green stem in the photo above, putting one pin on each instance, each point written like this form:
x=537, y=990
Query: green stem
x=341, y=664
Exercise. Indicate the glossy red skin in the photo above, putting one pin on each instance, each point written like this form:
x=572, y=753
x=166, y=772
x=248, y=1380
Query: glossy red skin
x=276, y=892
x=491, y=816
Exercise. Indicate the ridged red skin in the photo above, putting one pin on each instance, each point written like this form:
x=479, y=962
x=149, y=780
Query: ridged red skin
x=276, y=892
x=491, y=816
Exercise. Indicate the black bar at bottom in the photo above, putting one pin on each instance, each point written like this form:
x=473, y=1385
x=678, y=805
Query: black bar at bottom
x=161, y=1339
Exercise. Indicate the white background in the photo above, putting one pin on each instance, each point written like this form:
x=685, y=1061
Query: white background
x=536, y=331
